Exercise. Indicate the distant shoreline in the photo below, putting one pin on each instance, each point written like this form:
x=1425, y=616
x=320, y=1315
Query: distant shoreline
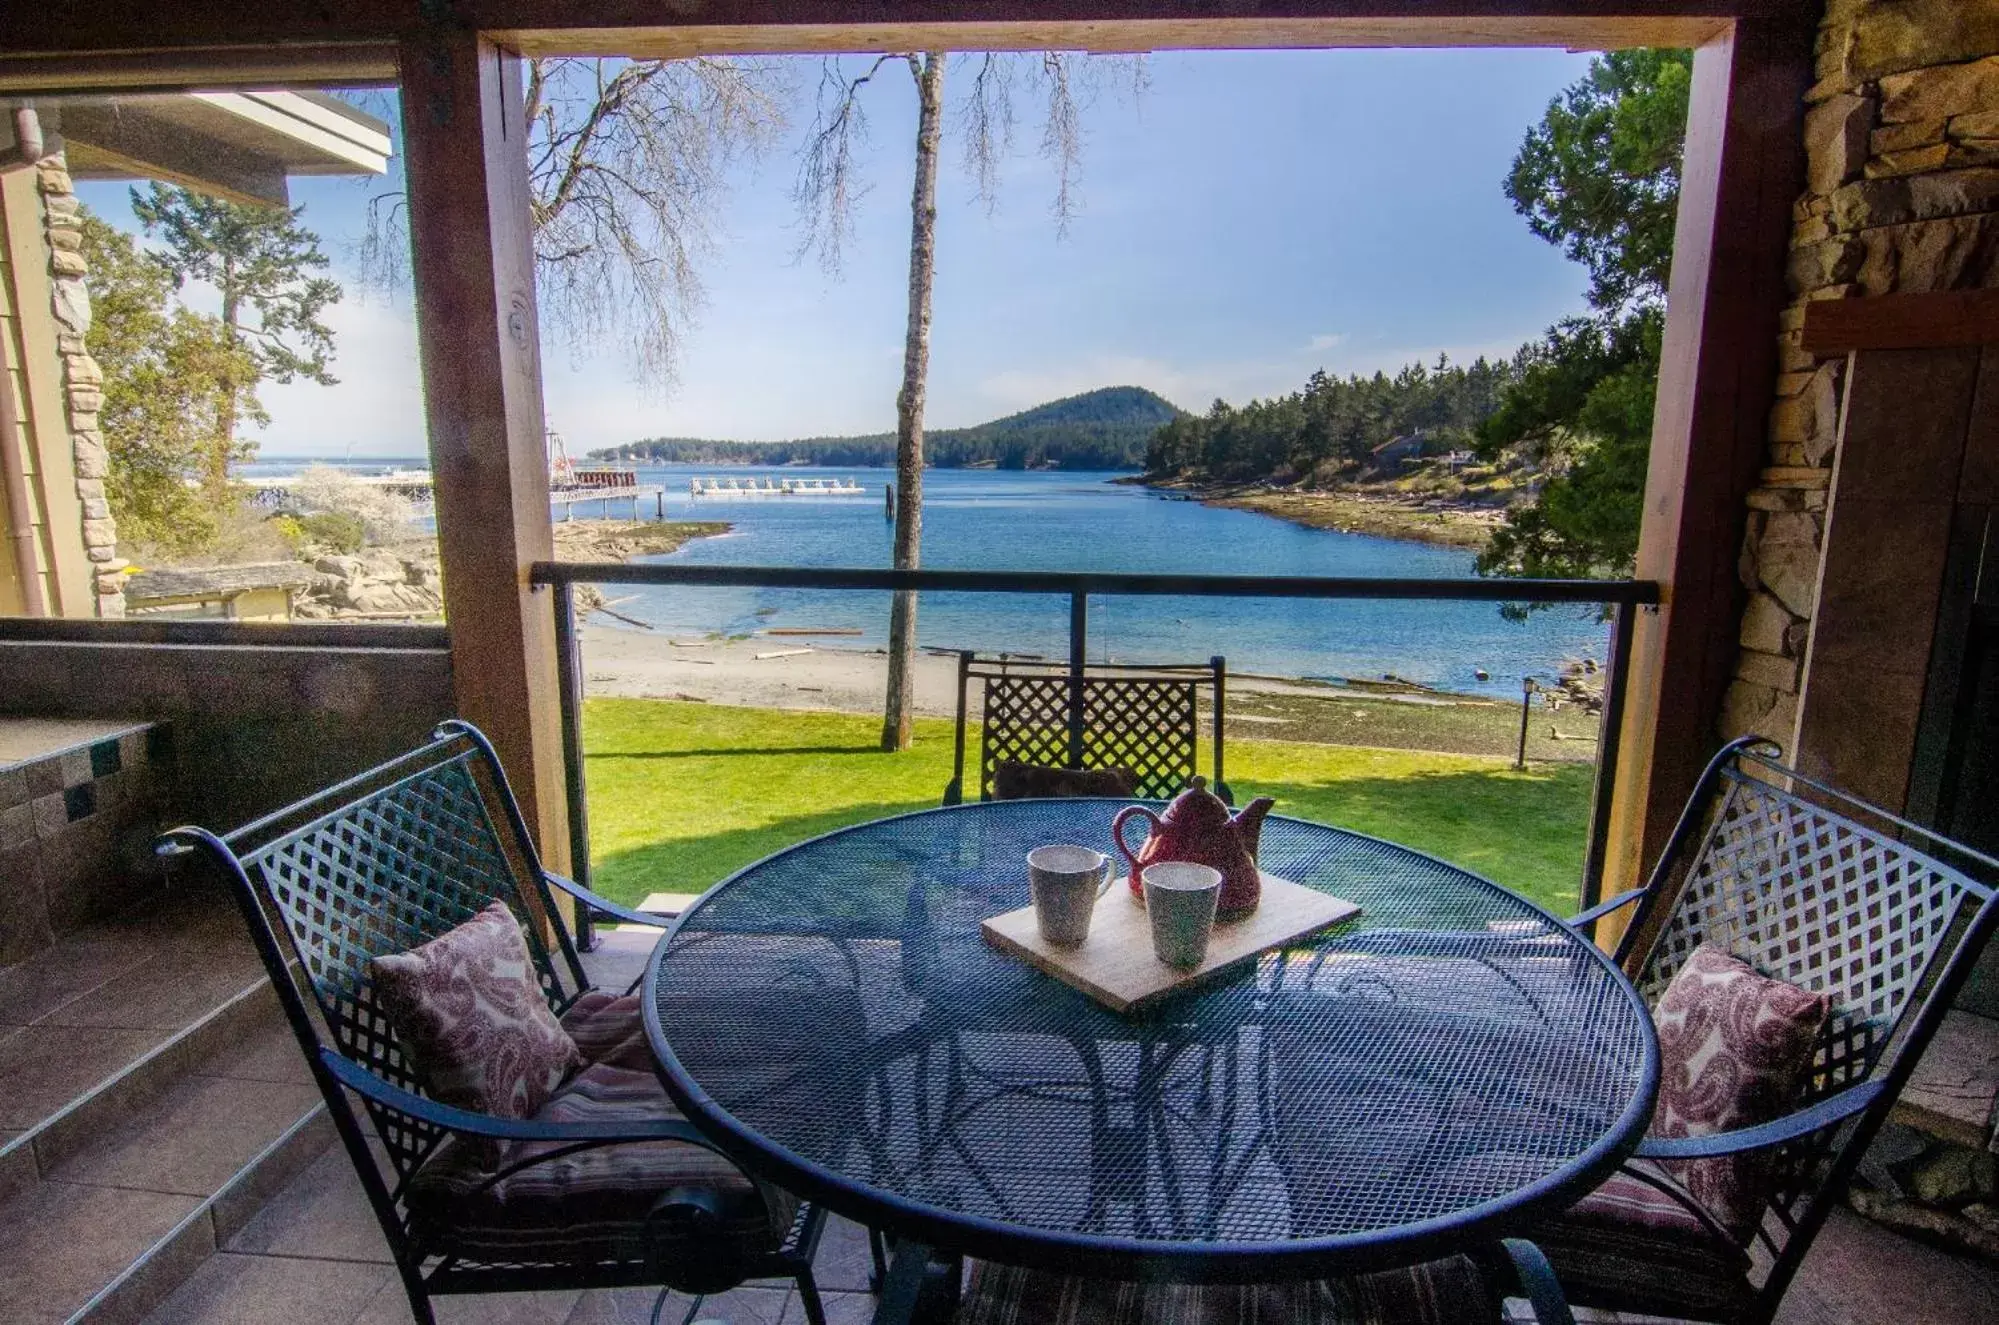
x=1427, y=520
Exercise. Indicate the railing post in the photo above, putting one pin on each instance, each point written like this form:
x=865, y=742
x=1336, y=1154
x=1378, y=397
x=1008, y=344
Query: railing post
x=1079, y=629
x=954, y=791
x=569, y=680
x=1609, y=731
x=1526, y=697
x=1221, y=666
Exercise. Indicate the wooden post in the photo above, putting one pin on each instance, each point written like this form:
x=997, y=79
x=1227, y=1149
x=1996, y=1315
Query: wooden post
x=472, y=250
x=1744, y=167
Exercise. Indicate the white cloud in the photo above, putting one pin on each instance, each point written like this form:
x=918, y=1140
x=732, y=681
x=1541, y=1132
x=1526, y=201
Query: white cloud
x=1319, y=344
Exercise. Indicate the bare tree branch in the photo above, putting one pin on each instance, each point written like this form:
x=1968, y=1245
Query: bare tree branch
x=627, y=162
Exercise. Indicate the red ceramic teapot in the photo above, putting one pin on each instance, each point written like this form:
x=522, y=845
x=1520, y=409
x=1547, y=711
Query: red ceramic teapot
x=1197, y=826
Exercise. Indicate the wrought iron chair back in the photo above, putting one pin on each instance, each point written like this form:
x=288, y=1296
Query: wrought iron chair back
x=381, y=863
x=1143, y=718
x=384, y=868
x=1813, y=887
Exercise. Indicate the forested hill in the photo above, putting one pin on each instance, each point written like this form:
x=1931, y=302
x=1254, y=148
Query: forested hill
x=1332, y=426
x=1108, y=428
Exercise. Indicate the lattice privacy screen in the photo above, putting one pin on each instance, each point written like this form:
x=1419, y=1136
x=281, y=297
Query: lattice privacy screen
x=1148, y=725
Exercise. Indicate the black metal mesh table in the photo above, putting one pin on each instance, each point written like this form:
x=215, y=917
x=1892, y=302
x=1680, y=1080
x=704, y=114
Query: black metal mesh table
x=1423, y=1077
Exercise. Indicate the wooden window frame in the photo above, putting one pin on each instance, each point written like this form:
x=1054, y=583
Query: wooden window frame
x=475, y=288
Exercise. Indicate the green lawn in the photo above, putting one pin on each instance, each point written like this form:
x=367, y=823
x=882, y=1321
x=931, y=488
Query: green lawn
x=681, y=794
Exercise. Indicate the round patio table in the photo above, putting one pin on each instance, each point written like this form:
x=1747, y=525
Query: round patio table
x=1419, y=1080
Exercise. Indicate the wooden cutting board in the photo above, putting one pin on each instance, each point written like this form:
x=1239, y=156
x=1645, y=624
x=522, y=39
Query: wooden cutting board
x=1116, y=966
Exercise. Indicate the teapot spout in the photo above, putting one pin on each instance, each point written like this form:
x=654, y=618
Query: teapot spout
x=1248, y=823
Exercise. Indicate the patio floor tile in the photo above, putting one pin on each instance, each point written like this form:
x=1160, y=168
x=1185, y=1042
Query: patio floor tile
x=391, y=1306
x=60, y=1244
x=270, y=1053
x=754, y=1305
x=32, y=989
x=195, y=1138
x=262, y=1290
x=323, y=1213
x=43, y=1068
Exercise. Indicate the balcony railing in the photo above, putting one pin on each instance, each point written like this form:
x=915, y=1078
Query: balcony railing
x=1624, y=598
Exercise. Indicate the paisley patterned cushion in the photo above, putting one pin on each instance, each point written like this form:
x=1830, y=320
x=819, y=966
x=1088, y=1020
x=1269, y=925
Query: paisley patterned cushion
x=472, y=1019
x=1734, y=1048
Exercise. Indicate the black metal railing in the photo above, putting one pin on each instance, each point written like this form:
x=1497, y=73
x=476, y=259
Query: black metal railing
x=1623, y=597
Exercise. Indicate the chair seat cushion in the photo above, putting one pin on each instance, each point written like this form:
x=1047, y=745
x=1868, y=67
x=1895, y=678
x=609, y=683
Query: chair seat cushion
x=609, y=1028
x=1639, y=1245
x=1446, y=1292
x=591, y=1206
x=1014, y=780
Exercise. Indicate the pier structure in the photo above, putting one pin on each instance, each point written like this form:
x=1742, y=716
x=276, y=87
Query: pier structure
x=567, y=489
x=769, y=487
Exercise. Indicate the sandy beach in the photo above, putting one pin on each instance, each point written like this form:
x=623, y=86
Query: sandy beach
x=794, y=673
x=789, y=671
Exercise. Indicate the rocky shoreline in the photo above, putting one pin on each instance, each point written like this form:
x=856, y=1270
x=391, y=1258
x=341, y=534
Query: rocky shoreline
x=404, y=581
x=1377, y=514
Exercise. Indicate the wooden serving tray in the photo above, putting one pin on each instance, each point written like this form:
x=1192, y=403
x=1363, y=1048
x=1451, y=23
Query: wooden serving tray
x=1116, y=966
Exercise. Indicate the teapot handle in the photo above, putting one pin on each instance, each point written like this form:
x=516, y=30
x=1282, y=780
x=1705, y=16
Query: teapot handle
x=1118, y=822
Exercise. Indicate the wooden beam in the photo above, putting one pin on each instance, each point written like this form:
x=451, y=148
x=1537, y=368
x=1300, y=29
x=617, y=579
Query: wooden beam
x=132, y=28
x=671, y=43
x=350, y=64
x=1902, y=322
x=1744, y=166
x=463, y=143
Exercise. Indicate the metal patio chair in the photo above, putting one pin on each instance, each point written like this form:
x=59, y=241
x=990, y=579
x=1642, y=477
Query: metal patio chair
x=1142, y=718
x=1811, y=886
x=390, y=859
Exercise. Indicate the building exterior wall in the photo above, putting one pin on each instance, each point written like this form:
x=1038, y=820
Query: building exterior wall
x=58, y=389
x=1902, y=141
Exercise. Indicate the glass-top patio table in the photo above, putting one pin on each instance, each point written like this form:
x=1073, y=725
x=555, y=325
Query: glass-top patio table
x=1419, y=1080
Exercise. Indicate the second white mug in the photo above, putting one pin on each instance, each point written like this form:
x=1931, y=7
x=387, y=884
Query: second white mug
x=1180, y=899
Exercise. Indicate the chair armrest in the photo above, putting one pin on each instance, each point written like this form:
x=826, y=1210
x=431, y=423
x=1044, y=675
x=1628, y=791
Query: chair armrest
x=465, y=1122
x=1604, y=908
x=1826, y=1112
x=599, y=902
x=1537, y=1280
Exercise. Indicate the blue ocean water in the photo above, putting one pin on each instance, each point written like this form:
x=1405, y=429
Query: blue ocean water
x=993, y=520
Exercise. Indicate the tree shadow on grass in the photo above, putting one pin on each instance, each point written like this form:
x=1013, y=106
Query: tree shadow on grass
x=693, y=864
x=710, y=752
x=1524, y=831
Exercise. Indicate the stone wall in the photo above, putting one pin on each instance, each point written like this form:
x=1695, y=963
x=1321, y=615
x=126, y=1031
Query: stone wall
x=82, y=380
x=1902, y=196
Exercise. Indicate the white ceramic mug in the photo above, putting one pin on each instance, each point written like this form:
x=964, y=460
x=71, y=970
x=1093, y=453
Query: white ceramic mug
x=1067, y=881
x=1180, y=899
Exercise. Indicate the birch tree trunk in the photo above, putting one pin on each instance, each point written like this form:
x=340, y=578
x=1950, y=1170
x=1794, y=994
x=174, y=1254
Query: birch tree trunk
x=909, y=401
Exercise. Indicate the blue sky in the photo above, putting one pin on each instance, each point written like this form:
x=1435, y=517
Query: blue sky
x=1250, y=217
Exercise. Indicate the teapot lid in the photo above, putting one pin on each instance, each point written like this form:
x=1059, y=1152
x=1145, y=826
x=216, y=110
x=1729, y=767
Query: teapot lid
x=1196, y=802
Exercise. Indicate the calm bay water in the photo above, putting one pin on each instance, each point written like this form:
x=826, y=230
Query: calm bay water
x=992, y=520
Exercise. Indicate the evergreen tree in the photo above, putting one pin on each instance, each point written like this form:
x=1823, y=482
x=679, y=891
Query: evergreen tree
x=263, y=264
x=1600, y=176
x=167, y=373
